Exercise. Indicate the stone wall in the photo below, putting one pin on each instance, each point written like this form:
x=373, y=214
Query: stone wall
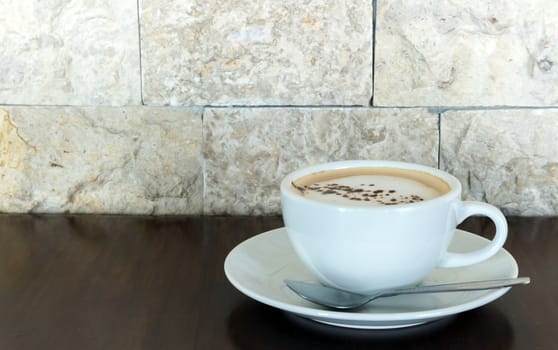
x=201, y=107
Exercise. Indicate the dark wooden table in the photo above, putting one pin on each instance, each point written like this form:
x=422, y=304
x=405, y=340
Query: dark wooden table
x=118, y=282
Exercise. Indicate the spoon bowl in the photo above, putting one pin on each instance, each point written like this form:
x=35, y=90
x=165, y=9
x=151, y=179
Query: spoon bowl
x=339, y=299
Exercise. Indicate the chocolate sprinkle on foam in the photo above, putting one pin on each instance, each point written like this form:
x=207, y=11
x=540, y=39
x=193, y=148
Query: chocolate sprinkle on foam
x=361, y=193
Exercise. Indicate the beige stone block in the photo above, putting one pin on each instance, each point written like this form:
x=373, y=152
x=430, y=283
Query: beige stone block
x=134, y=160
x=69, y=52
x=508, y=158
x=256, y=52
x=248, y=151
x=466, y=53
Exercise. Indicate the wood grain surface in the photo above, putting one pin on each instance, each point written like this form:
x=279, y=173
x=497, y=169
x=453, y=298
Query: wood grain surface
x=128, y=282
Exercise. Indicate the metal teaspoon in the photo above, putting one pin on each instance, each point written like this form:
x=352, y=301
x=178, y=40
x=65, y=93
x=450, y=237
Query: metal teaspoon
x=339, y=299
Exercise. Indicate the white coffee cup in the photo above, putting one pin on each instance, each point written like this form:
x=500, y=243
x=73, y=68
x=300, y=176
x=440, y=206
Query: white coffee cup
x=362, y=248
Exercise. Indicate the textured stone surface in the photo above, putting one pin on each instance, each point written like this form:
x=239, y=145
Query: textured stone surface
x=508, y=158
x=476, y=53
x=133, y=160
x=248, y=151
x=256, y=52
x=69, y=52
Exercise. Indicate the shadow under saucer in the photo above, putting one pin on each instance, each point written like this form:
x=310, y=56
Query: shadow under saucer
x=257, y=326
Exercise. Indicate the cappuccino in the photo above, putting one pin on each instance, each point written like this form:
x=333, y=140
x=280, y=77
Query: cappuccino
x=370, y=186
x=368, y=225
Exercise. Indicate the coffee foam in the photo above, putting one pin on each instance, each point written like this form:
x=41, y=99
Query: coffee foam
x=371, y=186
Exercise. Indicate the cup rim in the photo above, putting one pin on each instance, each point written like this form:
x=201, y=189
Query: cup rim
x=452, y=181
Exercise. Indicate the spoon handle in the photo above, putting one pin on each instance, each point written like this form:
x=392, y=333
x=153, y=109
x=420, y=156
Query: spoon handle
x=464, y=286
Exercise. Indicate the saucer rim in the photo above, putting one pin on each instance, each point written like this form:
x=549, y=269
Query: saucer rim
x=341, y=318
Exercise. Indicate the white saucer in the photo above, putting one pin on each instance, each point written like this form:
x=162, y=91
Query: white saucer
x=258, y=266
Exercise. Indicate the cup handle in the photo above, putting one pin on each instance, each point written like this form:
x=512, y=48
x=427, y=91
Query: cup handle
x=463, y=211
